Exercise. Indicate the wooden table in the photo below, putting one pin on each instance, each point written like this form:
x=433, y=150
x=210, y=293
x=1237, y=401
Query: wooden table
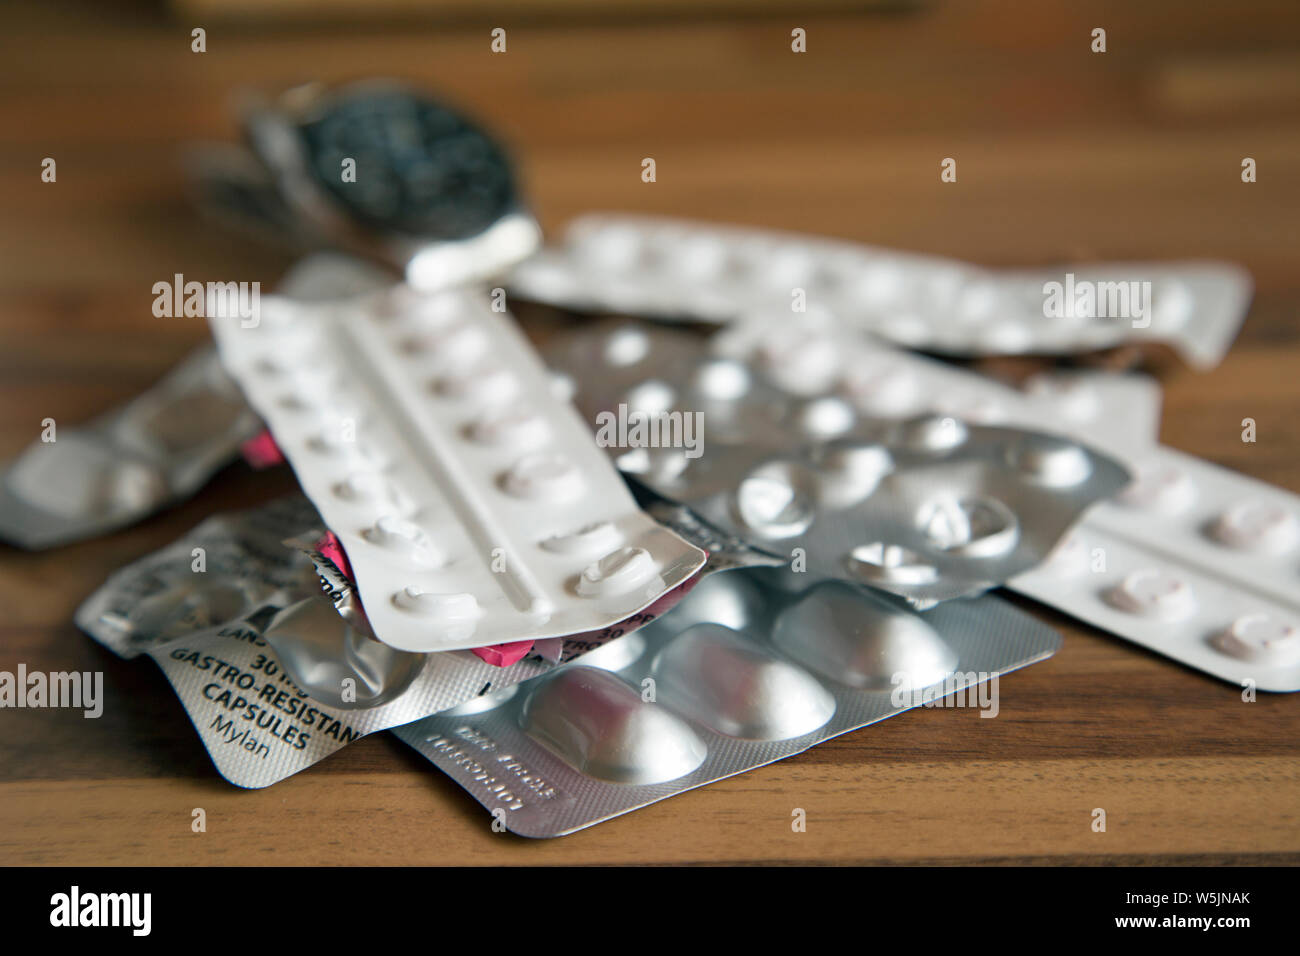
x=1062, y=154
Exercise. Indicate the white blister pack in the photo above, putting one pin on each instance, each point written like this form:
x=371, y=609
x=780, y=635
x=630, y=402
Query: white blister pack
x=471, y=501
x=1193, y=561
x=678, y=269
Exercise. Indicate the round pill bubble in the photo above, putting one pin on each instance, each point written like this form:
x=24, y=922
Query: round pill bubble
x=932, y=433
x=655, y=465
x=1160, y=488
x=1047, y=460
x=458, y=343
x=788, y=266
x=907, y=328
x=697, y=256
x=626, y=346
x=826, y=417
x=597, y=538
x=877, y=283
x=484, y=382
x=1151, y=592
x=776, y=500
x=848, y=472
x=971, y=527
x=723, y=380
x=516, y=426
x=547, y=476
x=1261, y=638
x=403, y=537
x=651, y=397
x=457, y=610
x=1009, y=336
x=611, y=246
x=363, y=486
x=881, y=563
x=977, y=300
x=562, y=387
x=619, y=572
x=799, y=360
x=1257, y=526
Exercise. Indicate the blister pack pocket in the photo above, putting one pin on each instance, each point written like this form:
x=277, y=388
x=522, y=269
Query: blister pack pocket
x=471, y=501
x=738, y=675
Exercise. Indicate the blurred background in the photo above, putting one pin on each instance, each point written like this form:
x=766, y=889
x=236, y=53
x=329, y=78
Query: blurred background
x=1063, y=154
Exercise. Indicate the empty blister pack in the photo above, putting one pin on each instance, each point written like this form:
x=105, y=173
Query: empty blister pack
x=471, y=501
x=678, y=269
x=273, y=678
x=927, y=507
x=1192, y=561
x=739, y=675
x=162, y=446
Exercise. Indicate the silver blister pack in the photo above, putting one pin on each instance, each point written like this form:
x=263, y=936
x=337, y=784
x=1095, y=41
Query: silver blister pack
x=159, y=448
x=927, y=507
x=739, y=675
x=679, y=269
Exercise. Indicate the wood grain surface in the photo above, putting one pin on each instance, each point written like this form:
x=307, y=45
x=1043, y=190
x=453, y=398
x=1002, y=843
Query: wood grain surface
x=1062, y=155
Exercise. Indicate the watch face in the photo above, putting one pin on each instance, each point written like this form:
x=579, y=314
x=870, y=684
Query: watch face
x=416, y=166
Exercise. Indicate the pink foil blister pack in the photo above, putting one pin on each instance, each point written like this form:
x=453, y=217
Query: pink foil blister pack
x=679, y=269
x=470, y=499
x=926, y=506
x=740, y=674
x=1192, y=561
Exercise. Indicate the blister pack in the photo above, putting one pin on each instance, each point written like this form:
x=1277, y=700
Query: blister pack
x=162, y=446
x=739, y=675
x=1193, y=561
x=677, y=269
x=271, y=675
x=471, y=501
x=927, y=507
